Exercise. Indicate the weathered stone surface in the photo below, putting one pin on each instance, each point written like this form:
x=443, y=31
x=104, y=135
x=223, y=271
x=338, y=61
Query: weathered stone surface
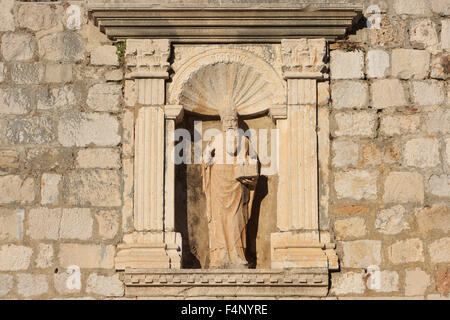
x=346, y=153
x=392, y=32
x=65, y=98
x=18, y=46
x=355, y=124
x=99, y=158
x=15, y=101
x=105, y=286
x=438, y=122
x=128, y=133
x=378, y=63
x=29, y=285
x=445, y=34
x=128, y=195
x=104, y=55
x=361, y=253
x=440, y=66
x=7, y=15
x=347, y=65
x=16, y=189
x=22, y=73
x=439, y=250
x=350, y=94
x=434, y=218
x=423, y=32
x=441, y=7
x=439, y=185
x=422, y=153
x=442, y=280
x=104, y=97
x=130, y=95
x=45, y=256
x=406, y=251
x=44, y=223
x=2, y=72
x=63, y=46
x=6, y=284
x=50, y=188
x=400, y=124
x=356, y=184
x=388, y=93
x=36, y=130
x=64, y=285
x=416, y=282
x=349, y=228
x=76, y=223
x=392, y=221
x=114, y=75
x=391, y=153
x=11, y=224
x=387, y=281
x=447, y=148
x=410, y=64
x=36, y=17
x=93, y=187
x=82, y=129
x=430, y=93
x=13, y=258
x=402, y=187
x=108, y=223
x=412, y=7
x=47, y=159
x=9, y=159
x=86, y=255
x=351, y=210
x=57, y=73
x=347, y=283
x=371, y=155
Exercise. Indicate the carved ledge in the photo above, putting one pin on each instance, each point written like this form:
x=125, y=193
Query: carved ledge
x=148, y=58
x=302, y=58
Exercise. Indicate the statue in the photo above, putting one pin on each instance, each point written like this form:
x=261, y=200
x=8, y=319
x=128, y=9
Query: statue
x=229, y=186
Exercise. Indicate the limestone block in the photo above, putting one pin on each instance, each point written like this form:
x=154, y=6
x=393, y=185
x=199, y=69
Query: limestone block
x=371, y=155
x=93, y=187
x=128, y=195
x=430, y=93
x=439, y=66
x=349, y=94
x=361, y=253
x=86, y=255
x=130, y=92
x=346, y=153
x=29, y=285
x=13, y=258
x=9, y=159
x=392, y=220
x=62, y=47
x=101, y=158
x=403, y=187
x=44, y=258
x=405, y=251
x=6, y=284
x=11, y=224
x=7, y=16
x=388, y=281
x=44, y=223
x=47, y=159
x=439, y=185
x=412, y=7
x=65, y=98
x=82, y=129
x=442, y=280
x=355, y=124
x=347, y=65
x=356, y=184
x=50, y=188
x=22, y=73
x=104, y=97
x=36, y=130
x=2, y=72
x=422, y=153
x=64, y=283
x=323, y=93
x=36, y=17
x=15, y=101
x=76, y=223
x=439, y=250
x=416, y=282
x=434, y=218
x=349, y=228
x=410, y=64
x=16, y=189
x=424, y=32
x=108, y=223
x=18, y=47
x=347, y=283
x=104, y=55
x=392, y=125
x=57, y=73
x=378, y=63
x=441, y=7
x=388, y=93
x=105, y=286
x=114, y=75
x=350, y=210
x=437, y=121
x=445, y=34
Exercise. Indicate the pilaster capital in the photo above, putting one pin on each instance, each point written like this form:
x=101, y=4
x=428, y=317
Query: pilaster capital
x=303, y=58
x=174, y=112
x=148, y=58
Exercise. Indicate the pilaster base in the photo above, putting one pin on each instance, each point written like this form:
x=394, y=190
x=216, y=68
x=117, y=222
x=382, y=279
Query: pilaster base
x=145, y=250
x=292, y=250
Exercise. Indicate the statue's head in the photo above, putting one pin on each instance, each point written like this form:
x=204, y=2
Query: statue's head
x=229, y=119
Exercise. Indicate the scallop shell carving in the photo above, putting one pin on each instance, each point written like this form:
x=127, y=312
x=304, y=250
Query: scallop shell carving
x=227, y=85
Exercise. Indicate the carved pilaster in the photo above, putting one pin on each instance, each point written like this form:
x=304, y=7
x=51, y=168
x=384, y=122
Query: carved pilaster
x=297, y=244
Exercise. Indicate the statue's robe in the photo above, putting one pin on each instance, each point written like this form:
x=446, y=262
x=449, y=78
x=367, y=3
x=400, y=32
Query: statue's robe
x=229, y=206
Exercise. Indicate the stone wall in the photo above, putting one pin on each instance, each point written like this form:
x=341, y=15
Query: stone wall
x=66, y=154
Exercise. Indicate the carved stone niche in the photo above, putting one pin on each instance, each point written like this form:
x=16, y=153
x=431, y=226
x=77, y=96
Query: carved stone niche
x=283, y=86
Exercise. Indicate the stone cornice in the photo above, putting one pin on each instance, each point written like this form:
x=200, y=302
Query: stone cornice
x=224, y=24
